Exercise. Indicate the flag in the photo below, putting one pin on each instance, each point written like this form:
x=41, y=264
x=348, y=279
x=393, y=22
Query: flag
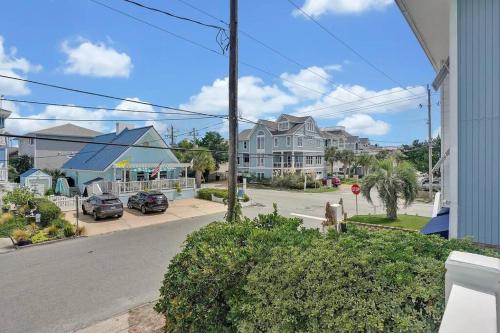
x=156, y=170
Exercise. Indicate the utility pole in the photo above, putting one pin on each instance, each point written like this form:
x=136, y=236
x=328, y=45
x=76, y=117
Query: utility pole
x=429, y=123
x=233, y=110
x=172, y=135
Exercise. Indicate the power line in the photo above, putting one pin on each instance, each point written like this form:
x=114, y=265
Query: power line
x=103, y=120
x=345, y=44
x=222, y=37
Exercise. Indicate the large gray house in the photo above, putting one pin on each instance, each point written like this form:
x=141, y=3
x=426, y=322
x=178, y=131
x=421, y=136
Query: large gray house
x=52, y=154
x=288, y=145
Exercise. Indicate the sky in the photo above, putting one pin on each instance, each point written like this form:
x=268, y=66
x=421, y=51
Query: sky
x=370, y=76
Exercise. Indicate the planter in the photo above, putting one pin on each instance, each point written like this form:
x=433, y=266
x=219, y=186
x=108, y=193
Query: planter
x=23, y=242
x=5, y=209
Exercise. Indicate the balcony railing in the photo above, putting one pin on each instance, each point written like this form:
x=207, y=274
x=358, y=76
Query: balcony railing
x=4, y=175
x=118, y=188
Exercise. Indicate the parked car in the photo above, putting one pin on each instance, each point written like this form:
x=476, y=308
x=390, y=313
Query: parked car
x=148, y=202
x=335, y=181
x=436, y=184
x=100, y=206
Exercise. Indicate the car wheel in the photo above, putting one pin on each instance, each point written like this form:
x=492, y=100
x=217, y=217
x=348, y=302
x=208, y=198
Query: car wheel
x=94, y=215
x=120, y=215
x=84, y=212
x=129, y=205
x=163, y=210
x=143, y=209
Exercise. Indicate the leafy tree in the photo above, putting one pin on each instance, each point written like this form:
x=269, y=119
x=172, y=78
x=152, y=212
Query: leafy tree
x=331, y=156
x=417, y=153
x=55, y=174
x=184, y=155
x=393, y=181
x=21, y=164
x=214, y=141
x=346, y=157
x=382, y=155
x=365, y=161
x=202, y=161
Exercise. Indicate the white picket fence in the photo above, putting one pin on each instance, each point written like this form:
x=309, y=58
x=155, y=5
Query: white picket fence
x=65, y=203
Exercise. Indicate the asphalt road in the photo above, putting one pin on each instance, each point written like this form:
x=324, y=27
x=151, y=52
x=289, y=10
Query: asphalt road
x=69, y=285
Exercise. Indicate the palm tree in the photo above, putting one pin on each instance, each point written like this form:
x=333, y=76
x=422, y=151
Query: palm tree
x=202, y=161
x=55, y=174
x=346, y=157
x=331, y=156
x=393, y=181
x=365, y=161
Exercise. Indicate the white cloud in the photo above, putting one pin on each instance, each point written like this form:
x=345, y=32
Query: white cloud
x=309, y=82
x=96, y=60
x=362, y=124
x=320, y=7
x=254, y=98
x=10, y=65
x=344, y=100
x=437, y=132
x=141, y=110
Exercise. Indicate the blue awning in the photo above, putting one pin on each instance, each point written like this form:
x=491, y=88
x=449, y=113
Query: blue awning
x=438, y=225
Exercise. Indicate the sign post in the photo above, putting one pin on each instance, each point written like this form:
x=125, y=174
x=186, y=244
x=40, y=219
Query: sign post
x=356, y=189
x=77, y=214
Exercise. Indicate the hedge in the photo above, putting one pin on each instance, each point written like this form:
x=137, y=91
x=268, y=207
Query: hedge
x=206, y=194
x=270, y=275
x=48, y=210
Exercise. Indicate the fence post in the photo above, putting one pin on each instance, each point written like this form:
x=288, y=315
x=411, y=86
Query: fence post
x=77, y=200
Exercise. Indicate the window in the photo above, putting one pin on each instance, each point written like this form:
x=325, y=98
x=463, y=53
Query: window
x=245, y=144
x=283, y=126
x=309, y=126
x=276, y=142
x=31, y=141
x=260, y=160
x=261, y=140
x=260, y=175
x=318, y=143
x=309, y=160
x=246, y=158
x=299, y=141
x=288, y=141
x=318, y=160
x=238, y=160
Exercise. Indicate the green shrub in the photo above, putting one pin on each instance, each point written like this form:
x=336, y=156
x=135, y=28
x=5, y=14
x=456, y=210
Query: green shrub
x=10, y=224
x=48, y=210
x=203, y=279
x=19, y=197
x=69, y=230
x=269, y=275
x=39, y=237
x=49, y=192
x=206, y=194
x=294, y=181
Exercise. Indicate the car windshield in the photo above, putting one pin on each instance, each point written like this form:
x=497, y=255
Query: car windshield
x=110, y=201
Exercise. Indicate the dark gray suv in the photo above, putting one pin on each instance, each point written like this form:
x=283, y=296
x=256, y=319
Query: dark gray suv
x=100, y=206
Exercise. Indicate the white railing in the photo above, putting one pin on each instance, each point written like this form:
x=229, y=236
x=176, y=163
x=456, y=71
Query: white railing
x=472, y=285
x=4, y=175
x=118, y=188
x=65, y=203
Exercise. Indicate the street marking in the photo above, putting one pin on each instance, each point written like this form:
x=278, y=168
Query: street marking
x=308, y=216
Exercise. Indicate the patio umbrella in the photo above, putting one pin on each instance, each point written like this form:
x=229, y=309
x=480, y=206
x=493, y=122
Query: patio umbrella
x=62, y=186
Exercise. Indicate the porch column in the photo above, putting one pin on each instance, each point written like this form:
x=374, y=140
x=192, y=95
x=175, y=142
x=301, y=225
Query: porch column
x=186, y=176
x=293, y=161
x=282, y=162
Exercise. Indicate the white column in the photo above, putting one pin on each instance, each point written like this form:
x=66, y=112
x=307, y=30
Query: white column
x=282, y=162
x=186, y=176
x=293, y=161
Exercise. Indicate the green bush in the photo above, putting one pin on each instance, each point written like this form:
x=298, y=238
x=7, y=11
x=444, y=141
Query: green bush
x=269, y=275
x=206, y=194
x=39, y=237
x=10, y=224
x=18, y=196
x=69, y=230
x=48, y=210
x=49, y=192
x=294, y=181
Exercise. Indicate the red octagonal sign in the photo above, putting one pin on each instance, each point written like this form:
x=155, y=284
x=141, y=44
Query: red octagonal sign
x=355, y=189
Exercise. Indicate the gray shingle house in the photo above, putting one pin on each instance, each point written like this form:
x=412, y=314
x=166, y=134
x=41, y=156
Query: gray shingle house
x=288, y=145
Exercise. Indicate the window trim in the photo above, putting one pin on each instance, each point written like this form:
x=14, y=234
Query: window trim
x=275, y=141
x=301, y=142
x=263, y=137
x=288, y=140
x=283, y=128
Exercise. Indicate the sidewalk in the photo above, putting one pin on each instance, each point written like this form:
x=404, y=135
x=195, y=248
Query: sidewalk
x=179, y=209
x=142, y=319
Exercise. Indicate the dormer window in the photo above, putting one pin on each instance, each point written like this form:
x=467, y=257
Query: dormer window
x=309, y=126
x=283, y=126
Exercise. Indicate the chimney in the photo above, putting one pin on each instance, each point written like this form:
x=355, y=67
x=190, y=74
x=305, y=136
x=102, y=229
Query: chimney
x=120, y=127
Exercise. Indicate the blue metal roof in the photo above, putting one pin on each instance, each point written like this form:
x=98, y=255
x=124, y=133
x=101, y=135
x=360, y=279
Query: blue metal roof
x=98, y=156
x=438, y=225
x=28, y=172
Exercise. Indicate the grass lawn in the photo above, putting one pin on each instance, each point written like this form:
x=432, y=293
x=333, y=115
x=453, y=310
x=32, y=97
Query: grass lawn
x=404, y=221
x=320, y=190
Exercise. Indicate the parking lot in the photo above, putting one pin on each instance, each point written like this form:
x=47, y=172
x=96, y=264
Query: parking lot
x=131, y=218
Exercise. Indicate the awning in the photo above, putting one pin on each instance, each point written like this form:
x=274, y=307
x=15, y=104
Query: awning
x=438, y=225
x=152, y=165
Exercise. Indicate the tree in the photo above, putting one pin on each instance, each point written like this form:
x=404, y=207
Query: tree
x=21, y=164
x=331, y=156
x=55, y=174
x=393, y=181
x=202, y=161
x=184, y=156
x=417, y=153
x=365, y=161
x=219, y=146
x=346, y=157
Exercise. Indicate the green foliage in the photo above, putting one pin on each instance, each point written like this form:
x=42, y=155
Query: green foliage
x=49, y=192
x=294, y=181
x=219, y=146
x=269, y=275
x=184, y=155
x=206, y=194
x=48, y=210
x=55, y=174
x=39, y=237
x=331, y=156
x=21, y=164
x=393, y=181
x=178, y=187
x=210, y=272
x=418, y=154
x=10, y=224
x=19, y=197
x=69, y=230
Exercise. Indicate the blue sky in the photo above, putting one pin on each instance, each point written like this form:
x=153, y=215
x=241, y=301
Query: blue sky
x=83, y=45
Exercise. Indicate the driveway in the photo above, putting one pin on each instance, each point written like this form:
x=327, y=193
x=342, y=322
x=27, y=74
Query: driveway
x=179, y=209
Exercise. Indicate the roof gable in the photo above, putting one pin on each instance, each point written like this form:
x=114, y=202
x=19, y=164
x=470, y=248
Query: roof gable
x=67, y=130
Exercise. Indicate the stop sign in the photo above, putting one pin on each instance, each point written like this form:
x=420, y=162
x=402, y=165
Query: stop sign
x=355, y=189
